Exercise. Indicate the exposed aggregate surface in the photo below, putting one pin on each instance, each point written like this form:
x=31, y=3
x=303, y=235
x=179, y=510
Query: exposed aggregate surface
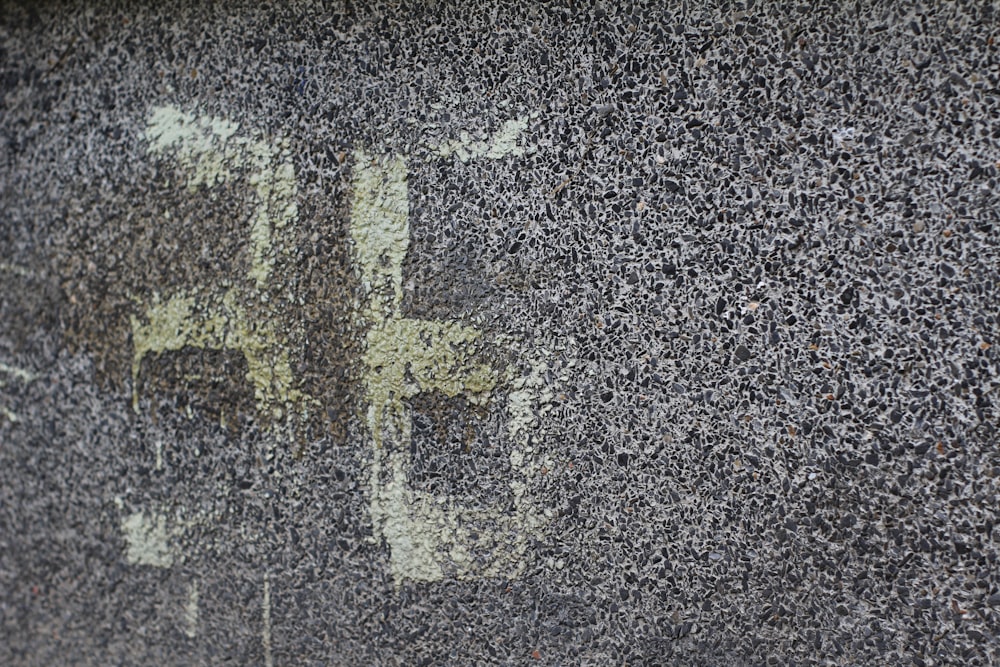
x=753, y=248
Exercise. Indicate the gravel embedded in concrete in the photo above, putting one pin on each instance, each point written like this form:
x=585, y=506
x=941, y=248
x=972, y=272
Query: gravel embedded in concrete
x=735, y=273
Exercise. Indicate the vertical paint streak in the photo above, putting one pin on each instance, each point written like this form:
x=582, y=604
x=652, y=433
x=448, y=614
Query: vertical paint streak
x=191, y=611
x=380, y=228
x=403, y=358
x=266, y=613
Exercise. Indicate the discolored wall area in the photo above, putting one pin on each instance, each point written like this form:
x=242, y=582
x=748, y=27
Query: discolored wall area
x=441, y=333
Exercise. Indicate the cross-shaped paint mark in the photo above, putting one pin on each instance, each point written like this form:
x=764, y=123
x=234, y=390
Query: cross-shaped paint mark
x=428, y=537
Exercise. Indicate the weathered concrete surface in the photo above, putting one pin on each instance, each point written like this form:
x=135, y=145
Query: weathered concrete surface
x=499, y=334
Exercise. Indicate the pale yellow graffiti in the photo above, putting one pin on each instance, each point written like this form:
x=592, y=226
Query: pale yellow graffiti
x=191, y=611
x=149, y=539
x=209, y=150
x=184, y=321
x=503, y=143
x=19, y=375
x=154, y=538
x=428, y=537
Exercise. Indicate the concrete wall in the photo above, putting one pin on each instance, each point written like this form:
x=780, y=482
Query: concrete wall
x=451, y=333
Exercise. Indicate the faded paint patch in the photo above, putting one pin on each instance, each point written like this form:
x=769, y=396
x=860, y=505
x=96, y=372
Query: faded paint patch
x=526, y=393
x=225, y=324
x=380, y=229
x=16, y=373
x=198, y=143
x=407, y=356
x=148, y=539
x=20, y=375
x=504, y=142
x=209, y=150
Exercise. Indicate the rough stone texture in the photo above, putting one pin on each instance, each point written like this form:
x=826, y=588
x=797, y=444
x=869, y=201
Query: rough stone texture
x=735, y=273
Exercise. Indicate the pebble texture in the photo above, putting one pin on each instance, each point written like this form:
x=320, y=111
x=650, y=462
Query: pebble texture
x=735, y=267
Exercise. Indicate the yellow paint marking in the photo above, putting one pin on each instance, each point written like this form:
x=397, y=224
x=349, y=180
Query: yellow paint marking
x=222, y=325
x=428, y=537
x=20, y=375
x=149, y=539
x=503, y=143
x=191, y=611
x=209, y=150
